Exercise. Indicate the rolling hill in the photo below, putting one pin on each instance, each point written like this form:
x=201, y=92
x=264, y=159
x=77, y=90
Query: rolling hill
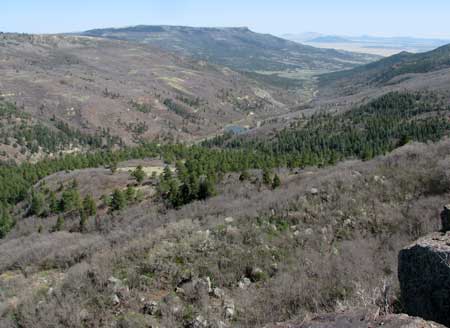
x=404, y=70
x=130, y=91
x=237, y=48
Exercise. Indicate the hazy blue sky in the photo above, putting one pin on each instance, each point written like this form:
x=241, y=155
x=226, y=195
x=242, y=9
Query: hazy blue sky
x=429, y=18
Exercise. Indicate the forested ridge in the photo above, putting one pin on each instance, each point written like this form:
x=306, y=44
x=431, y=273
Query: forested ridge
x=19, y=130
x=364, y=132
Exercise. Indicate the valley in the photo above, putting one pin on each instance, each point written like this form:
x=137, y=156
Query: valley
x=171, y=176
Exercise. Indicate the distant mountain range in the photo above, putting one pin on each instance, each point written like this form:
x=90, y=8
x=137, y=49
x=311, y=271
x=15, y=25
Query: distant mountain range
x=368, y=44
x=238, y=48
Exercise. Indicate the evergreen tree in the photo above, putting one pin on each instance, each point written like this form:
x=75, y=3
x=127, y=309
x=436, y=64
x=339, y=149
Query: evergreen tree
x=173, y=193
x=167, y=173
x=244, y=176
x=118, y=200
x=207, y=188
x=276, y=182
x=53, y=203
x=37, y=203
x=89, y=206
x=83, y=221
x=70, y=200
x=113, y=167
x=74, y=184
x=139, y=174
x=59, y=224
x=267, y=180
x=130, y=194
x=6, y=222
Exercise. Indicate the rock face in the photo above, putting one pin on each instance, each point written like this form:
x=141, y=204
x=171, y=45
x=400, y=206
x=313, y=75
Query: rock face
x=424, y=275
x=361, y=319
x=445, y=218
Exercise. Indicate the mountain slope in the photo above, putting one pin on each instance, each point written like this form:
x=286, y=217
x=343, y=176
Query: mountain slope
x=382, y=71
x=384, y=46
x=238, y=48
x=389, y=72
x=132, y=91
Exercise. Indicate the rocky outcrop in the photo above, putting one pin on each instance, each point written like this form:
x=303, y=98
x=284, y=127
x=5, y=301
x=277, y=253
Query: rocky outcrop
x=424, y=275
x=362, y=319
x=445, y=218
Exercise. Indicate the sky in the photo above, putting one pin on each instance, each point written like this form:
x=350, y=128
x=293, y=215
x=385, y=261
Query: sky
x=418, y=18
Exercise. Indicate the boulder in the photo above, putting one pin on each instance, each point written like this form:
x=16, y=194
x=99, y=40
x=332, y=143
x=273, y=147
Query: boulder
x=151, y=308
x=257, y=274
x=218, y=293
x=244, y=283
x=115, y=300
x=229, y=220
x=424, y=275
x=199, y=322
x=119, y=288
x=230, y=310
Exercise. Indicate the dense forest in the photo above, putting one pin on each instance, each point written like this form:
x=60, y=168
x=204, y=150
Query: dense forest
x=363, y=132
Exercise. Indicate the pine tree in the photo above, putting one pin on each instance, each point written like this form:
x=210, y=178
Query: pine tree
x=267, y=180
x=130, y=194
x=70, y=200
x=276, y=182
x=113, y=167
x=89, y=206
x=74, y=184
x=83, y=221
x=167, y=173
x=6, y=222
x=118, y=200
x=173, y=194
x=37, y=204
x=207, y=188
x=53, y=203
x=139, y=174
x=59, y=224
x=244, y=176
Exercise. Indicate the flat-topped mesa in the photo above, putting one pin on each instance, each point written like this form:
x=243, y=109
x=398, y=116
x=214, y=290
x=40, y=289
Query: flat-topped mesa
x=424, y=275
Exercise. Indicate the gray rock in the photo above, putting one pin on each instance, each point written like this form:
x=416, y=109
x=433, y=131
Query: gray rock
x=218, y=293
x=151, y=308
x=203, y=285
x=229, y=220
x=84, y=314
x=119, y=288
x=244, y=283
x=199, y=322
x=424, y=275
x=360, y=319
x=115, y=299
x=180, y=291
x=309, y=232
x=257, y=274
x=314, y=191
x=229, y=308
x=445, y=218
